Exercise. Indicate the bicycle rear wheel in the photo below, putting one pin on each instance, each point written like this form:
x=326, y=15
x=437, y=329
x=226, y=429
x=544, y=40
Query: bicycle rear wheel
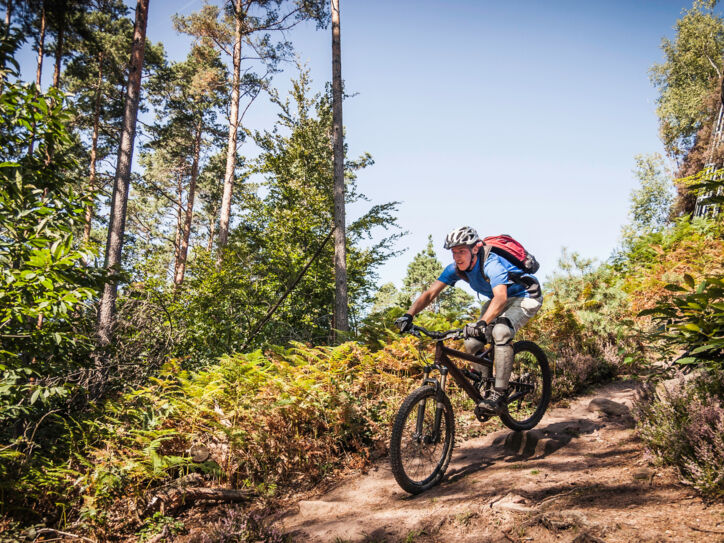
x=529, y=387
x=420, y=447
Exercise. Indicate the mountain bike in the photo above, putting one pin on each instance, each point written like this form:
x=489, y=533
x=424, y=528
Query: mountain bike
x=423, y=433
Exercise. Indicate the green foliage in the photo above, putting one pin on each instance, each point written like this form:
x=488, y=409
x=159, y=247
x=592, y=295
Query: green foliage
x=652, y=201
x=385, y=297
x=422, y=271
x=683, y=426
x=46, y=290
x=584, y=325
x=707, y=184
x=693, y=320
x=688, y=76
x=158, y=524
x=285, y=222
x=45, y=287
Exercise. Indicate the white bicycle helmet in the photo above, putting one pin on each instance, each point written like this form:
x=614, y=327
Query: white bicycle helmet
x=461, y=236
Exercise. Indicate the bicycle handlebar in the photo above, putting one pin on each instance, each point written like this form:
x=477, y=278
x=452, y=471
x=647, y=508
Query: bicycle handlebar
x=456, y=333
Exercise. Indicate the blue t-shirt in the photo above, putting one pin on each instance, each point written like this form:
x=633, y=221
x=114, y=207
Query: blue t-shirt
x=500, y=272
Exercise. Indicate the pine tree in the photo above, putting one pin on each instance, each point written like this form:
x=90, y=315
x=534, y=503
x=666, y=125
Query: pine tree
x=96, y=77
x=122, y=182
x=341, y=321
x=422, y=271
x=247, y=22
x=189, y=96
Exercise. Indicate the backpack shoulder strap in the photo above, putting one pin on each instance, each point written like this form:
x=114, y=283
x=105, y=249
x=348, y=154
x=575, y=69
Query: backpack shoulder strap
x=483, y=260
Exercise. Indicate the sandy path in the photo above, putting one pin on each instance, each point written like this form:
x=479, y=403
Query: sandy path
x=581, y=475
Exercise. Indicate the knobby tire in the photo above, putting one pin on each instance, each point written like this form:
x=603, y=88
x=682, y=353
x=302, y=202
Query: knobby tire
x=410, y=453
x=529, y=358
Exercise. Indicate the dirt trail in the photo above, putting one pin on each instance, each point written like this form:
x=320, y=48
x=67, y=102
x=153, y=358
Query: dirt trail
x=580, y=476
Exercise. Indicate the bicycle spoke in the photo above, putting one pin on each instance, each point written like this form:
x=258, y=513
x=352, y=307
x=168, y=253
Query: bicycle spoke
x=421, y=454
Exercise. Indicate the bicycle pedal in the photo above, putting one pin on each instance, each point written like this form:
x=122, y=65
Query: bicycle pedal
x=483, y=414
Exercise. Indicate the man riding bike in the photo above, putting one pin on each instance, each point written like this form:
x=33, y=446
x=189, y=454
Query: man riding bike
x=514, y=297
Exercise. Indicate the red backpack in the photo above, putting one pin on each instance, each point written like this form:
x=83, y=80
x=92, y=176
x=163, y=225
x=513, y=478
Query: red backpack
x=511, y=250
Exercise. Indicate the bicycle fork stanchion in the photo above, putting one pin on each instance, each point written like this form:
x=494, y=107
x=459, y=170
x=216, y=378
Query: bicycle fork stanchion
x=440, y=405
x=421, y=408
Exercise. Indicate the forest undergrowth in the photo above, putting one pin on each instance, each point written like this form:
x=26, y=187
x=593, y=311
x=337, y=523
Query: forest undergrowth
x=202, y=382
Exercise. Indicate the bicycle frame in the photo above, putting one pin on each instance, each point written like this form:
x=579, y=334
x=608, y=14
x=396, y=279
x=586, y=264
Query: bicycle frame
x=447, y=366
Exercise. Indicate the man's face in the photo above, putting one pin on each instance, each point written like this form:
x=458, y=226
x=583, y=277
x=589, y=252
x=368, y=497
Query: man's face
x=463, y=256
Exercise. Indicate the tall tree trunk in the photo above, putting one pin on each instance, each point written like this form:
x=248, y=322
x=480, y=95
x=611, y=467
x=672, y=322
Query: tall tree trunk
x=39, y=71
x=41, y=46
x=341, y=319
x=121, y=185
x=183, y=253
x=179, y=223
x=59, y=48
x=212, y=231
x=233, y=129
x=94, y=151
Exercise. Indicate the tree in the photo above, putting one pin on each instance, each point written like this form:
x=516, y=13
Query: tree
x=688, y=82
x=96, y=76
x=283, y=230
x=189, y=96
x=119, y=202
x=386, y=297
x=421, y=272
x=251, y=20
x=341, y=321
x=651, y=202
x=43, y=271
x=66, y=21
x=41, y=44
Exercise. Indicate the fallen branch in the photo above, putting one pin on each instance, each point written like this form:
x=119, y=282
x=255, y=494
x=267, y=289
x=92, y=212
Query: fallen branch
x=705, y=530
x=187, y=489
x=555, y=497
x=65, y=534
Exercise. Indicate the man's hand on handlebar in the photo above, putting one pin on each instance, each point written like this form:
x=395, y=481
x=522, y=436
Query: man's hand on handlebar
x=404, y=323
x=479, y=330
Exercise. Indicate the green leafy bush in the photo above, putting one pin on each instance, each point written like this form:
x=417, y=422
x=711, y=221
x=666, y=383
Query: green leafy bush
x=46, y=288
x=693, y=320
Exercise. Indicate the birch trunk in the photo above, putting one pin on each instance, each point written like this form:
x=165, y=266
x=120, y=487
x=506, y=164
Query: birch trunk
x=233, y=129
x=183, y=253
x=341, y=320
x=121, y=185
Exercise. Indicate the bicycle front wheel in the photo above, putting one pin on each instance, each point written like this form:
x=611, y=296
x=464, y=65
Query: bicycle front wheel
x=422, y=440
x=529, y=386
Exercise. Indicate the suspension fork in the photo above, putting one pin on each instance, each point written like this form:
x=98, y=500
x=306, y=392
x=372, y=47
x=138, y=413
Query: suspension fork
x=439, y=407
x=439, y=390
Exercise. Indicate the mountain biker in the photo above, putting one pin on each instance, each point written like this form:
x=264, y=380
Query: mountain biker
x=514, y=297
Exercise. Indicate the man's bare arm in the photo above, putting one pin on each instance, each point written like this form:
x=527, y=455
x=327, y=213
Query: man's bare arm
x=500, y=296
x=426, y=297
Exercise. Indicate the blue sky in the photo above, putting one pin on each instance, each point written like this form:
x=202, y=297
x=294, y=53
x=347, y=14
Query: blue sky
x=512, y=117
